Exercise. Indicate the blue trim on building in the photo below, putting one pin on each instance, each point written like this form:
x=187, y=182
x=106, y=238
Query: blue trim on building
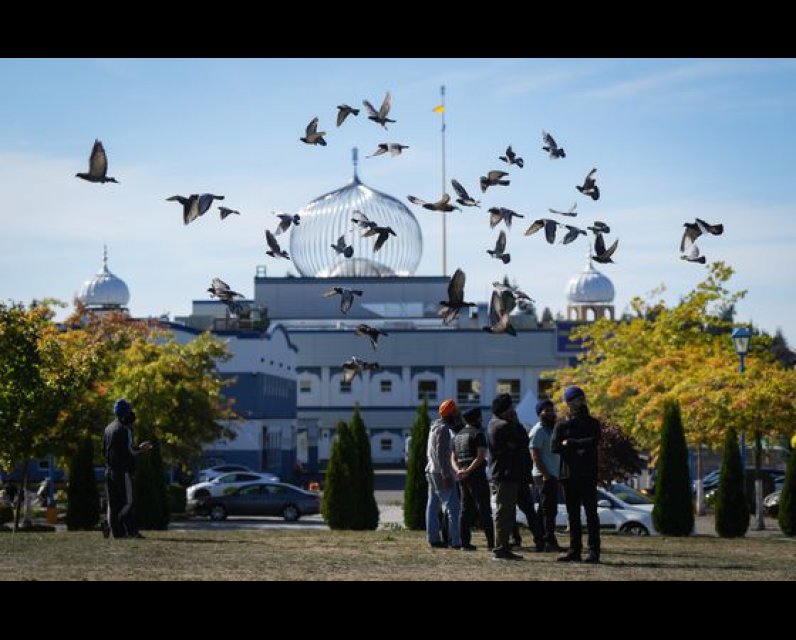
x=431, y=369
x=262, y=395
x=313, y=370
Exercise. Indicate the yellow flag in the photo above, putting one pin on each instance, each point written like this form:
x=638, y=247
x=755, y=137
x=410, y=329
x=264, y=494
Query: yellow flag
x=439, y=109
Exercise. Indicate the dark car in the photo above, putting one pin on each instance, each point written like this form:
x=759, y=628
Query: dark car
x=262, y=499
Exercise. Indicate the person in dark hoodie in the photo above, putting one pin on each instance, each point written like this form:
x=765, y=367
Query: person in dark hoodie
x=120, y=455
x=506, y=470
x=576, y=440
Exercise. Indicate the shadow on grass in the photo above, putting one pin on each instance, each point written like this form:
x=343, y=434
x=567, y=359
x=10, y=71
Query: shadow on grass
x=679, y=566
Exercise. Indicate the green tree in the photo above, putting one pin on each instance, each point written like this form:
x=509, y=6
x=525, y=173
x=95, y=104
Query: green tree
x=367, y=515
x=416, y=488
x=732, y=510
x=338, y=506
x=673, y=514
x=630, y=368
x=82, y=511
x=787, y=500
x=38, y=380
x=150, y=497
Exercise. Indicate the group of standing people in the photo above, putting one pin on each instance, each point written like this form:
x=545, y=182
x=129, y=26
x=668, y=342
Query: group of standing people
x=554, y=453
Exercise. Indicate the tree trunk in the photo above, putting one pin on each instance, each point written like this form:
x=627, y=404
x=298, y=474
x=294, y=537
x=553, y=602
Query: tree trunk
x=21, y=494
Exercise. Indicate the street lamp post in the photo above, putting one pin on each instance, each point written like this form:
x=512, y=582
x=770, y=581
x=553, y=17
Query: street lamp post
x=740, y=339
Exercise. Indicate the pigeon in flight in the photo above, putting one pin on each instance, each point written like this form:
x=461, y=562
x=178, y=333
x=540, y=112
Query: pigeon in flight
x=341, y=247
x=500, y=249
x=394, y=148
x=493, y=178
x=346, y=296
x=353, y=366
x=361, y=220
x=443, y=204
x=313, y=136
x=344, y=111
x=382, y=232
x=285, y=220
x=691, y=254
x=235, y=308
x=550, y=227
x=220, y=289
x=194, y=205
x=603, y=255
x=450, y=308
x=570, y=212
x=600, y=227
x=549, y=145
x=512, y=158
x=496, y=214
x=226, y=211
x=97, y=165
x=515, y=291
x=274, y=250
x=380, y=116
x=573, y=233
x=589, y=188
x=464, y=198
x=500, y=306
x=695, y=229
x=371, y=332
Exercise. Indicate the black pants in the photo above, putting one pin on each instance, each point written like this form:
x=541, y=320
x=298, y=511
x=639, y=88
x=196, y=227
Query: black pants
x=577, y=492
x=475, y=502
x=548, y=506
x=121, y=517
x=526, y=505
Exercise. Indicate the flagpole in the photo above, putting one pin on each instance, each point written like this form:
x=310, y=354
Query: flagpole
x=444, y=214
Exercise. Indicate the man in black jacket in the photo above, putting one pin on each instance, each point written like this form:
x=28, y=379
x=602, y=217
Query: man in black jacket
x=120, y=454
x=576, y=440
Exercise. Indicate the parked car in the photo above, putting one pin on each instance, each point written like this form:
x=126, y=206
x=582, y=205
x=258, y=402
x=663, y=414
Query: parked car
x=226, y=483
x=262, y=499
x=205, y=475
x=622, y=509
x=771, y=503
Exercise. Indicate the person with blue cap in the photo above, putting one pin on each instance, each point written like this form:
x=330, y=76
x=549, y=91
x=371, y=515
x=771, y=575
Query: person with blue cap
x=576, y=440
x=120, y=455
x=545, y=471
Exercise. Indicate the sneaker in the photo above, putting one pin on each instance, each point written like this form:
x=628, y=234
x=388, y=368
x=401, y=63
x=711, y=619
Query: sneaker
x=106, y=530
x=592, y=558
x=570, y=556
x=553, y=546
x=506, y=555
x=438, y=545
x=469, y=547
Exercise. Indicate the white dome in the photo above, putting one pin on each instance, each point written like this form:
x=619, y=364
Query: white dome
x=104, y=289
x=590, y=286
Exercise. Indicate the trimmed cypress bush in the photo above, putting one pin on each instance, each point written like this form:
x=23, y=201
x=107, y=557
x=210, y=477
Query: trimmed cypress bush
x=367, y=511
x=150, y=502
x=673, y=514
x=787, y=501
x=416, y=489
x=732, y=510
x=82, y=511
x=177, y=498
x=337, y=505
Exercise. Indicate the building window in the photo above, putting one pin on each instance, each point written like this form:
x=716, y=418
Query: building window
x=386, y=386
x=468, y=391
x=427, y=389
x=305, y=386
x=543, y=387
x=510, y=386
x=385, y=444
x=345, y=387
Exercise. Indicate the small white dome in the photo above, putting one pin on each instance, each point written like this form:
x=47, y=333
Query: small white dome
x=590, y=286
x=104, y=289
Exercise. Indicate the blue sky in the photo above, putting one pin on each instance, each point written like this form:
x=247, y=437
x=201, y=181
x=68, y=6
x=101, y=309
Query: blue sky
x=671, y=139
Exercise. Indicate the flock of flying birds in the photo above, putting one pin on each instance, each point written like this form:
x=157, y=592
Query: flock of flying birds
x=504, y=297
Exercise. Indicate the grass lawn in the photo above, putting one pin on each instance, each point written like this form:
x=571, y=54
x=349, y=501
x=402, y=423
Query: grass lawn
x=379, y=555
